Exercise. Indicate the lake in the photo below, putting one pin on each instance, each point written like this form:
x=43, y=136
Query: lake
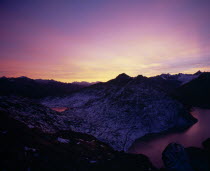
x=153, y=146
x=59, y=109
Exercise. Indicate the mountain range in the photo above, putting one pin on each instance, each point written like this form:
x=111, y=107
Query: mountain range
x=123, y=109
x=116, y=112
x=113, y=113
x=36, y=88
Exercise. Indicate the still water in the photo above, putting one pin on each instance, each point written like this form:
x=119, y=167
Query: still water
x=59, y=109
x=153, y=145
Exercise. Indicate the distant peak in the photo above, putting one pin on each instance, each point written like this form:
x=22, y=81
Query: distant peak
x=165, y=74
x=3, y=77
x=140, y=76
x=23, y=77
x=123, y=76
x=85, y=83
x=198, y=73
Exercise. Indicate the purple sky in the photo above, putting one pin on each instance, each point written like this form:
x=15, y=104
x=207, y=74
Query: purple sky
x=95, y=40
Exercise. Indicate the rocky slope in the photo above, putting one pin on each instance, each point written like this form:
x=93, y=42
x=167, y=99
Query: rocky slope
x=121, y=110
x=169, y=82
x=25, y=148
x=196, y=92
x=32, y=114
x=181, y=78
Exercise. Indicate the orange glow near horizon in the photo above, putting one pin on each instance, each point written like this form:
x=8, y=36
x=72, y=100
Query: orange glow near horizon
x=96, y=41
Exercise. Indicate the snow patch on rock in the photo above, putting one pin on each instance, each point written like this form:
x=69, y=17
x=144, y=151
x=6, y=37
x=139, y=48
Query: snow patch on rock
x=62, y=140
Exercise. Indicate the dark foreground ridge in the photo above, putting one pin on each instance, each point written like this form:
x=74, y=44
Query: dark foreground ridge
x=24, y=149
x=178, y=158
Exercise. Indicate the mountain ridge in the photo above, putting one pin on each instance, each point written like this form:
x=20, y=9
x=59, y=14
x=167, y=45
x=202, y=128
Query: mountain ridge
x=123, y=109
x=116, y=112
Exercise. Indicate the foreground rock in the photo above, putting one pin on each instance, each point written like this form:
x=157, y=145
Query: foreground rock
x=198, y=159
x=123, y=109
x=206, y=145
x=178, y=158
x=24, y=149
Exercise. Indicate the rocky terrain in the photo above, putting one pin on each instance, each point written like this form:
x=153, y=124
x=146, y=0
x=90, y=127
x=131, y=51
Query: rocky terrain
x=181, y=78
x=178, y=158
x=196, y=92
x=32, y=114
x=123, y=109
x=24, y=148
x=97, y=121
x=169, y=82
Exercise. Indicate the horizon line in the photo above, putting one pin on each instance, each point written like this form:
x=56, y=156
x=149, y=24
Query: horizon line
x=50, y=79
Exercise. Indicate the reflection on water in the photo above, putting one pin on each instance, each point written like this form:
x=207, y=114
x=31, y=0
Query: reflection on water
x=59, y=109
x=152, y=146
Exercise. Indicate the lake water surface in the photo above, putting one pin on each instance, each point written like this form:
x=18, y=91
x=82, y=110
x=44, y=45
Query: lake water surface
x=153, y=145
x=59, y=109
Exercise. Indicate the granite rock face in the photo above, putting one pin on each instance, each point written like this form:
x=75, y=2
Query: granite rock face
x=176, y=158
x=116, y=112
x=23, y=148
x=121, y=110
x=33, y=114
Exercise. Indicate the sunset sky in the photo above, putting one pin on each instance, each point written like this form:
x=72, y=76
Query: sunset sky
x=95, y=40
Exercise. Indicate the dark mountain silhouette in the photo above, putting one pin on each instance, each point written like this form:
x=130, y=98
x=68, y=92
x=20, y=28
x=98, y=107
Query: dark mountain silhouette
x=26, y=87
x=40, y=88
x=169, y=83
x=195, y=92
